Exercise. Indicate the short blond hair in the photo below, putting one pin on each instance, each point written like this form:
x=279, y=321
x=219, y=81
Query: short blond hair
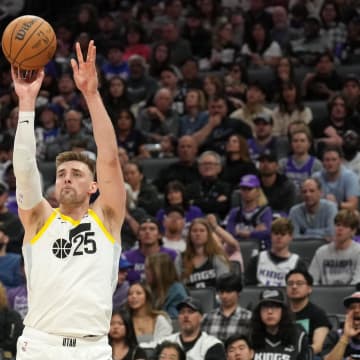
x=76, y=156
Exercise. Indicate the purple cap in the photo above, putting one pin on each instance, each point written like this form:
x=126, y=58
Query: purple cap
x=250, y=181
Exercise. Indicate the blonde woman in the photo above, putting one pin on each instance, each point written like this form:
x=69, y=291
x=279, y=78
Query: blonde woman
x=164, y=281
x=149, y=324
x=252, y=219
x=204, y=259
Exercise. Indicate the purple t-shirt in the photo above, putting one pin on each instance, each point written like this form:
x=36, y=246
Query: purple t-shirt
x=18, y=299
x=137, y=258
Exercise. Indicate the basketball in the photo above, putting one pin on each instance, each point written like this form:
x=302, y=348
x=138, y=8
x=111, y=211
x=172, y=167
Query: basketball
x=28, y=42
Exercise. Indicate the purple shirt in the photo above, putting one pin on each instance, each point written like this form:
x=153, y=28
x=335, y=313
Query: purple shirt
x=18, y=299
x=137, y=258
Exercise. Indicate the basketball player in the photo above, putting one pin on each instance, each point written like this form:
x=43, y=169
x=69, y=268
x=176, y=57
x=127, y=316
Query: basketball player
x=71, y=253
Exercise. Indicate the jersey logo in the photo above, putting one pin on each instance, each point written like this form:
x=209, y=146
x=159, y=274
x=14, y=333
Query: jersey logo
x=81, y=239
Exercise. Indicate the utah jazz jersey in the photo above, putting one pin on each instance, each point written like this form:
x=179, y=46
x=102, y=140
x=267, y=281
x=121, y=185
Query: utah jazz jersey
x=71, y=268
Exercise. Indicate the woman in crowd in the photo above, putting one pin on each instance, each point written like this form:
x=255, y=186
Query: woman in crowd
x=289, y=109
x=204, y=259
x=169, y=350
x=163, y=279
x=159, y=60
x=175, y=195
x=149, y=324
x=273, y=329
x=238, y=162
x=122, y=337
x=283, y=73
x=136, y=42
x=213, y=87
x=252, y=219
x=236, y=81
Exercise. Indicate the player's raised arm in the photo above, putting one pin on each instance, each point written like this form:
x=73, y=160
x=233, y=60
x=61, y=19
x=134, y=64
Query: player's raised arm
x=109, y=174
x=28, y=183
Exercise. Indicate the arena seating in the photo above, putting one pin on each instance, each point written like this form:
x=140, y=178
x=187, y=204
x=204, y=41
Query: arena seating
x=206, y=296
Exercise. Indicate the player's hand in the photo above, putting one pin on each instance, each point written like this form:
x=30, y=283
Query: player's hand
x=85, y=75
x=27, y=88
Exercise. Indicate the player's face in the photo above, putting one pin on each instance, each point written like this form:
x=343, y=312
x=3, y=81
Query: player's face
x=117, y=327
x=270, y=314
x=297, y=287
x=136, y=297
x=239, y=350
x=74, y=183
x=198, y=234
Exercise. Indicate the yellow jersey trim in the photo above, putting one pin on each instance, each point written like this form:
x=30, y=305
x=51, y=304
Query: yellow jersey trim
x=69, y=219
x=93, y=214
x=43, y=228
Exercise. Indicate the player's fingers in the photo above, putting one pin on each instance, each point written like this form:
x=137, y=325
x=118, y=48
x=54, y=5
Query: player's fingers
x=13, y=73
x=74, y=65
x=90, y=54
x=79, y=53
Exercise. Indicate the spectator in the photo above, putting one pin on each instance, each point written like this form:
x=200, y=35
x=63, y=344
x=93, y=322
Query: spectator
x=135, y=38
x=210, y=11
x=163, y=279
x=300, y=165
x=230, y=317
x=238, y=347
x=122, y=337
x=252, y=219
x=314, y=217
x=313, y=318
x=185, y=170
x=210, y=193
x=86, y=20
x=338, y=263
x=213, y=87
x=204, y=260
x=257, y=13
x=141, y=193
x=342, y=344
x=237, y=163
x=191, y=78
x=289, y=109
x=270, y=267
x=350, y=52
x=149, y=243
x=273, y=331
x=235, y=83
x=170, y=350
x=159, y=59
x=122, y=286
x=149, y=324
x=351, y=89
x=339, y=184
x=281, y=32
x=278, y=189
x=351, y=152
x=115, y=64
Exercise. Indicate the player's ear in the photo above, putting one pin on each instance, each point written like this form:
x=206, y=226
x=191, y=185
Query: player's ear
x=93, y=187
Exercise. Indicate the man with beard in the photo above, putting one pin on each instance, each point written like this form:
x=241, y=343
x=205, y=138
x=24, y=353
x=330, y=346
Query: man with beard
x=312, y=318
x=344, y=344
x=351, y=151
x=174, y=224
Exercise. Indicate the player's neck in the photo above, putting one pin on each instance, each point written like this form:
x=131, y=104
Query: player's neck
x=75, y=212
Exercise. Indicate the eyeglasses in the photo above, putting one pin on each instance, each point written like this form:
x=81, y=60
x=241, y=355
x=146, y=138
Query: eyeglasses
x=297, y=283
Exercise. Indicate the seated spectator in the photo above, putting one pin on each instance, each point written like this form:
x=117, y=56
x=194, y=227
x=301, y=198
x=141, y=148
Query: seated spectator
x=283, y=73
x=350, y=148
x=314, y=217
x=339, y=184
x=174, y=228
x=252, y=219
x=135, y=39
x=313, y=318
x=204, y=260
x=253, y=107
x=238, y=347
x=281, y=32
x=210, y=193
x=115, y=64
x=191, y=78
x=141, y=193
x=194, y=117
x=163, y=279
x=305, y=50
x=350, y=53
x=168, y=144
x=261, y=49
x=237, y=163
x=129, y=138
x=170, y=350
x=324, y=82
x=159, y=59
x=159, y=119
x=149, y=238
x=270, y=267
x=122, y=337
x=299, y=165
x=235, y=83
x=175, y=195
x=149, y=324
x=11, y=327
x=338, y=263
x=274, y=331
x=122, y=286
x=351, y=90
x=342, y=344
x=289, y=109
x=185, y=170
x=230, y=317
x=213, y=86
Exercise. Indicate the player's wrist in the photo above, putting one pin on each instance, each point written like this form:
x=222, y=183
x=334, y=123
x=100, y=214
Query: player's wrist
x=26, y=105
x=91, y=95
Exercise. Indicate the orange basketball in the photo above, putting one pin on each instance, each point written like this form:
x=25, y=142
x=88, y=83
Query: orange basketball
x=29, y=42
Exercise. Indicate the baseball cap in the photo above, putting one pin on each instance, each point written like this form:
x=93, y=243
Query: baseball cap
x=268, y=154
x=353, y=298
x=272, y=296
x=267, y=118
x=125, y=263
x=191, y=303
x=150, y=219
x=352, y=77
x=250, y=181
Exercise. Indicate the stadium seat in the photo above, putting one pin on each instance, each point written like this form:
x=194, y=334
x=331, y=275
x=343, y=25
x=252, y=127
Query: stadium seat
x=235, y=267
x=152, y=167
x=206, y=296
x=306, y=248
x=248, y=249
x=48, y=172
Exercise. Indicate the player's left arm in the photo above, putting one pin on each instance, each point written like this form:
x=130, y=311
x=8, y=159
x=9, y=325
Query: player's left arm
x=111, y=201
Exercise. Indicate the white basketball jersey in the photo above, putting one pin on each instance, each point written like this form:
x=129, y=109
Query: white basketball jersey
x=72, y=269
